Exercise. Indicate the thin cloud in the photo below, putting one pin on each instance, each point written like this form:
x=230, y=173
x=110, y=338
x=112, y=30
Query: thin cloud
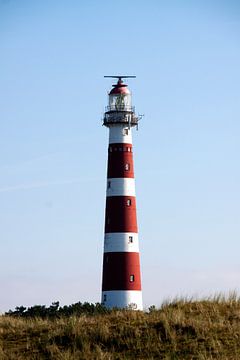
x=31, y=160
x=39, y=185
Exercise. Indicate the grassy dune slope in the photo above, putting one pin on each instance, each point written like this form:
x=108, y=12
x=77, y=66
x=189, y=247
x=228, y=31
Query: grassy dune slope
x=182, y=329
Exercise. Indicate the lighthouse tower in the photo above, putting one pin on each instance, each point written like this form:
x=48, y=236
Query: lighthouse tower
x=121, y=281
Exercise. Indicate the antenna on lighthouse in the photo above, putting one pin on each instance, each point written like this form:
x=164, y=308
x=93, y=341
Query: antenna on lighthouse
x=119, y=77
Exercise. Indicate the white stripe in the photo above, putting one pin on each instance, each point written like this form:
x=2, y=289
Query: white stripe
x=120, y=133
x=120, y=187
x=121, y=242
x=130, y=299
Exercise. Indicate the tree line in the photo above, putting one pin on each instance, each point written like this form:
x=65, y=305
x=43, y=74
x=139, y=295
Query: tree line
x=56, y=311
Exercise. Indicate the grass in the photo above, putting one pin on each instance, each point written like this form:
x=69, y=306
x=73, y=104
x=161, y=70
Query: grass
x=180, y=329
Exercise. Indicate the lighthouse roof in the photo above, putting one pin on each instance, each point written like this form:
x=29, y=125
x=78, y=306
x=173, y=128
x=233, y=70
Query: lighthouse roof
x=119, y=88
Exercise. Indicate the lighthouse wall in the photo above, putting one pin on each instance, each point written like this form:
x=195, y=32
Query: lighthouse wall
x=121, y=283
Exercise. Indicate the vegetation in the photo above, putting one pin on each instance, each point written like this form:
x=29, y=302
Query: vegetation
x=54, y=311
x=181, y=329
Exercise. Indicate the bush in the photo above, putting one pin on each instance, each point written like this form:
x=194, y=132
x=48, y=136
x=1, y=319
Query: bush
x=54, y=311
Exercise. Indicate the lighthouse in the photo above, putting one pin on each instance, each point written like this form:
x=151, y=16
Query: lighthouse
x=121, y=278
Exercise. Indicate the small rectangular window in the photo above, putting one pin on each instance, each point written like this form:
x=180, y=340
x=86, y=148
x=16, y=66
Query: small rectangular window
x=104, y=297
x=129, y=202
x=127, y=167
x=130, y=239
x=129, y=149
x=125, y=131
x=131, y=278
x=109, y=184
x=110, y=149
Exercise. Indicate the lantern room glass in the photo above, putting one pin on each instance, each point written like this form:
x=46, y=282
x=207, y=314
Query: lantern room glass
x=120, y=102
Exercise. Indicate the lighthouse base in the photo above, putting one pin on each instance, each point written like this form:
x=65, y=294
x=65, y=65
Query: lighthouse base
x=123, y=299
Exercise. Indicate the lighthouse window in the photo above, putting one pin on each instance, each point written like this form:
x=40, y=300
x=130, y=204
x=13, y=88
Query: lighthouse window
x=127, y=167
x=129, y=202
x=131, y=278
x=125, y=131
x=129, y=149
x=104, y=297
x=110, y=149
x=130, y=239
x=109, y=184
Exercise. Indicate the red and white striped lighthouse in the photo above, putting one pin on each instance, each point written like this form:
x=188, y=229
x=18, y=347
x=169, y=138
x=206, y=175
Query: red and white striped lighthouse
x=121, y=281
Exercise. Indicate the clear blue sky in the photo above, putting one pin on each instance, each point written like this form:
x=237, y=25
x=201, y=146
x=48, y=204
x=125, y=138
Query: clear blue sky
x=53, y=56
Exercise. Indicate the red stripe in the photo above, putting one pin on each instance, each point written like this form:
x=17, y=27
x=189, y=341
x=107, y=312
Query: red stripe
x=120, y=216
x=119, y=269
x=120, y=158
x=118, y=145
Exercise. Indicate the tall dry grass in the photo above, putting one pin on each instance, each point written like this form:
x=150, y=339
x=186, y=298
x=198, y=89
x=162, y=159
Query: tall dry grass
x=181, y=329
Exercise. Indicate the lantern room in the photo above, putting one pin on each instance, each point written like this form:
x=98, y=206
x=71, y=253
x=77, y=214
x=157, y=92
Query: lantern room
x=120, y=97
x=120, y=109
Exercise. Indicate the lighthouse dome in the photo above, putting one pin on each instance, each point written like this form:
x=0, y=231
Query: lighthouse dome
x=120, y=88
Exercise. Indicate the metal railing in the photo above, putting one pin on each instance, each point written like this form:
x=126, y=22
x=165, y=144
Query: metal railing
x=116, y=107
x=118, y=117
